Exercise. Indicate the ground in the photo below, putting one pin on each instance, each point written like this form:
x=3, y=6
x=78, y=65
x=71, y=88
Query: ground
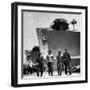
x=45, y=75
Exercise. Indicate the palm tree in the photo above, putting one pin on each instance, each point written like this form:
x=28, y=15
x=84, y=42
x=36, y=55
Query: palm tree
x=73, y=22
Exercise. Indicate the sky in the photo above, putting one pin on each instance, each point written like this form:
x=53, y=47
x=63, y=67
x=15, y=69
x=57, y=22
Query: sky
x=33, y=20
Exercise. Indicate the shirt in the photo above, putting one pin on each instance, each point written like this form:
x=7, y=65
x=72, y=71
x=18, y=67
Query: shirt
x=50, y=58
x=59, y=59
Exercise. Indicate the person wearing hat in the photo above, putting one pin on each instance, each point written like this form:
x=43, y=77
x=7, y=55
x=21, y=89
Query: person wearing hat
x=59, y=63
x=67, y=61
x=50, y=63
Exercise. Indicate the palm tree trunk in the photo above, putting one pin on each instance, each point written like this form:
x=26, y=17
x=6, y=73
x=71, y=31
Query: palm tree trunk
x=73, y=27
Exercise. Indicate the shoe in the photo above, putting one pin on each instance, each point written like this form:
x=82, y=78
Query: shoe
x=70, y=73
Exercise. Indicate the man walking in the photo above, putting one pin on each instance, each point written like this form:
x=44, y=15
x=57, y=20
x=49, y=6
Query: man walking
x=67, y=61
x=59, y=63
x=40, y=65
x=50, y=63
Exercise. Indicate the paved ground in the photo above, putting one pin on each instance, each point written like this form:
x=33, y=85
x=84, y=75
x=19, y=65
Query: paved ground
x=45, y=75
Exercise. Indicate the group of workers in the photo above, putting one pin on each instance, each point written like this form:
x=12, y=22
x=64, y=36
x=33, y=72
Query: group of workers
x=63, y=61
